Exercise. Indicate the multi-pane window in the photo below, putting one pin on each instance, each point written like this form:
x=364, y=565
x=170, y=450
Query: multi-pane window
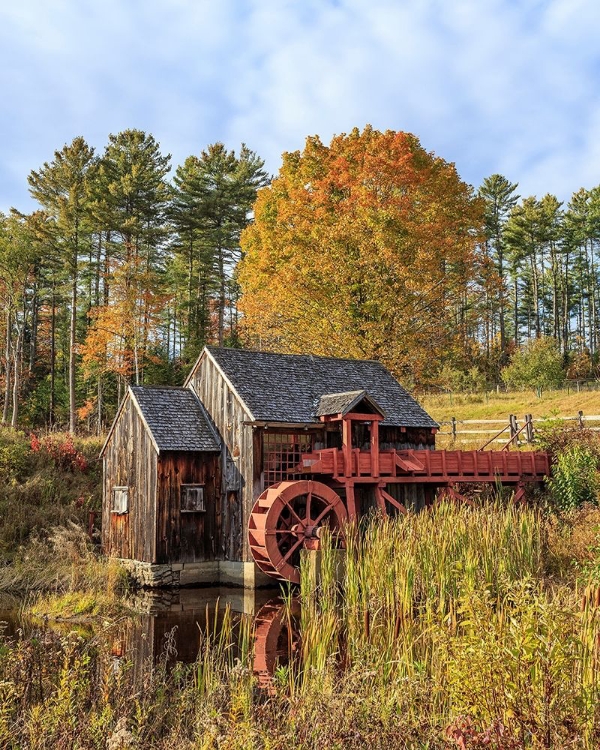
x=120, y=500
x=281, y=453
x=192, y=498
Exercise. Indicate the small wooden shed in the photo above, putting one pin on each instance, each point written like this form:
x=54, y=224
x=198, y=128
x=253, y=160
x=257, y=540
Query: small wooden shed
x=161, y=480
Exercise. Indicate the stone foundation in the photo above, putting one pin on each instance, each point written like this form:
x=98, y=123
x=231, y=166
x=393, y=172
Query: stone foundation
x=215, y=573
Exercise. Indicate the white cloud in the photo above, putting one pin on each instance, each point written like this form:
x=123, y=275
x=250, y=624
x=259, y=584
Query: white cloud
x=494, y=86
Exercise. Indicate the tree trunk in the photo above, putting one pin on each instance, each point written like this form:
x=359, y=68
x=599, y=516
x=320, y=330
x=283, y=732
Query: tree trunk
x=16, y=377
x=7, y=355
x=72, y=356
x=53, y=356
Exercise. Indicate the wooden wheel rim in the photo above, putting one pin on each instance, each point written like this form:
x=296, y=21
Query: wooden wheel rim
x=286, y=518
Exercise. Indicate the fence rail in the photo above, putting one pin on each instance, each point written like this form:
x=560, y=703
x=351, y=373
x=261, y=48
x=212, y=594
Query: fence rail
x=513, y=431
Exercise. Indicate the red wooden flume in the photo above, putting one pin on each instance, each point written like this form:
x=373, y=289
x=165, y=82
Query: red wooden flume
x=289, y=515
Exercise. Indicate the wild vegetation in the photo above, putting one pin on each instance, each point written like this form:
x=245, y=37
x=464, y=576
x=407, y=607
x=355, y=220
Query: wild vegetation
x=483, y=633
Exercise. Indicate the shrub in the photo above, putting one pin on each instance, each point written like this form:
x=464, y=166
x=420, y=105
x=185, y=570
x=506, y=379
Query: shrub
x=61, y=449
x=538, y=365
x=574, y=478
x=13, y=457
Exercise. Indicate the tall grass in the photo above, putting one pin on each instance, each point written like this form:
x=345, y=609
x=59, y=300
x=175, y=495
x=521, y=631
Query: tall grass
x=440, y=630
x=446, y=615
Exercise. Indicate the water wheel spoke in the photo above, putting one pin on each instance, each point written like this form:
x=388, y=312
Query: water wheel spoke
x=291, y=551
x=321, y=516
x=285, y=531
x=293, y=512
x=308, y=502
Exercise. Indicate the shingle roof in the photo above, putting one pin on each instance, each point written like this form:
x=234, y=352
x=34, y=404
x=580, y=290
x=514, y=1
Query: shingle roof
x=176, y=419
x=288, y=387
x=342, y=403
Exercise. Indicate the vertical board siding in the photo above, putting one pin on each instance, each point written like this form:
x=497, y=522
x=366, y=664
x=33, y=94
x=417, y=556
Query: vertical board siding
x=130, y=460
x=191, y=536
x=228, y=415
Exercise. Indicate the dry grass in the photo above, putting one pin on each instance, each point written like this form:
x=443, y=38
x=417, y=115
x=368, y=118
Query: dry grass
x=500, y=405
x=450, y=629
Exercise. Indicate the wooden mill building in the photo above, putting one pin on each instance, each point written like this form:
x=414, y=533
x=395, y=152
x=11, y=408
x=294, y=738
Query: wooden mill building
x=184, y=466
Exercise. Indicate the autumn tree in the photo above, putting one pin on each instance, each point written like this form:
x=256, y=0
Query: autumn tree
x=367, y=247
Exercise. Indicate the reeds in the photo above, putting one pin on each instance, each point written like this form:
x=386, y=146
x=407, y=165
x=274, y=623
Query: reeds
x=439, y=630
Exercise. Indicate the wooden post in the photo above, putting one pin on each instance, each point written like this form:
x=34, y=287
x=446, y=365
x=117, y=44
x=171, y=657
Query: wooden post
x=374, y=430
x=453, y=429
x=514, y=427
x=347, y=446
x=580, y=418
x=529, y=435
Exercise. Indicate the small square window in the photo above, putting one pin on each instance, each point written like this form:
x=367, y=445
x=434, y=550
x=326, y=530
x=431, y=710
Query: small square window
x=192, y=498
x=120, y=500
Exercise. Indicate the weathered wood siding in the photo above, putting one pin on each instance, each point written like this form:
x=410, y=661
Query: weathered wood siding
x=188, y=536
x=240, y=485
x=130, y=460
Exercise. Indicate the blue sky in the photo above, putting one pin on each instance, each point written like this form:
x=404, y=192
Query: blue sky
x=509, y=86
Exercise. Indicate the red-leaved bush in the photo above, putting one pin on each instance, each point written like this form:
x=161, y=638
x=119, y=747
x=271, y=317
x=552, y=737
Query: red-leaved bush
x=61, y=449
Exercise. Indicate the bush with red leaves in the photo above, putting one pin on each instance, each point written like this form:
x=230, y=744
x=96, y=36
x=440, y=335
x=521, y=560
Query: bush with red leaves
x=61, y=449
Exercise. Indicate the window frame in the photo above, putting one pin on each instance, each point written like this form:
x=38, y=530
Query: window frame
x=120, y=511
x=183, y=489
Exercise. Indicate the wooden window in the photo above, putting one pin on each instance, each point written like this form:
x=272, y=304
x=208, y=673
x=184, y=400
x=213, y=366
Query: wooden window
x=120, y=500
x=192, y=498
x=281, y=453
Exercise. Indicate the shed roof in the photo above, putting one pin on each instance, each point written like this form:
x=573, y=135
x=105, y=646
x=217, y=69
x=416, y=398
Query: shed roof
x=289, y=387
x=342, y=403
x=176, y=418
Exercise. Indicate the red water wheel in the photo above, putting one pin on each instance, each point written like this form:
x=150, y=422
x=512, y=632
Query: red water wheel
x=287, y=517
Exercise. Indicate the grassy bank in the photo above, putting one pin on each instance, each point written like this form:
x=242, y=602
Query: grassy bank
x=457, y=628
x=44, y=483
x=48, y=486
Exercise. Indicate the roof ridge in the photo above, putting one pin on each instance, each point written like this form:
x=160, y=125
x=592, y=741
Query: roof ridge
x=307, y=355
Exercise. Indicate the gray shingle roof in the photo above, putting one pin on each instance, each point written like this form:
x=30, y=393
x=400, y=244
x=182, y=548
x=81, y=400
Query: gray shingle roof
x=288, y=387
x=342, y=403
x=175, y=418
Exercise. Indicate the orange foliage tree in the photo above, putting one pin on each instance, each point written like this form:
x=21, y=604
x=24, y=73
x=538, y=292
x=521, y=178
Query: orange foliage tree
x=369, y=248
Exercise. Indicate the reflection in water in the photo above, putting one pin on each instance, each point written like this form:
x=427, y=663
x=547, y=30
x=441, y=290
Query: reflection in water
x=171, y=625
x=276, y=638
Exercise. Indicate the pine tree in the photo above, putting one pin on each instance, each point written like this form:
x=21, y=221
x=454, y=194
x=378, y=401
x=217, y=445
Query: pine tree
x=62, y=188
x=500, y=198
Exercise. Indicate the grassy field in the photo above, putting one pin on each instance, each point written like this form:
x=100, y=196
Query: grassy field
x=500, y=405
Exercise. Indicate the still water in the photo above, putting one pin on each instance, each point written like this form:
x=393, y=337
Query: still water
x=172, y=623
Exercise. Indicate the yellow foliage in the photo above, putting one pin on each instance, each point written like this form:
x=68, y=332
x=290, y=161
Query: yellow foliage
x=363, y=248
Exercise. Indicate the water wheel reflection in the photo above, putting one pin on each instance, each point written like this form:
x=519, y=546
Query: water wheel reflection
x=276, y=639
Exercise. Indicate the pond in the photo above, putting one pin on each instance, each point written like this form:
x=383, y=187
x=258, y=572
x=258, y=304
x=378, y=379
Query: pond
x=170, y=624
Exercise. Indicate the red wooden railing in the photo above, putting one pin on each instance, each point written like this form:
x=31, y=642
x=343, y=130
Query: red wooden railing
x=415, y=466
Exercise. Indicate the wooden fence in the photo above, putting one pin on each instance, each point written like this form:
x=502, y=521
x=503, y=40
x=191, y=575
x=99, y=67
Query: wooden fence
x=513, y=431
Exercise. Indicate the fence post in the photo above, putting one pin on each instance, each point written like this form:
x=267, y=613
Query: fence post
x=514, y=427
x=580, y=418
x=529, y=430
x=453, y=428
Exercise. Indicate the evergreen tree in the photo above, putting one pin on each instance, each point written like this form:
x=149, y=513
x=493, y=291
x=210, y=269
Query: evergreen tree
x=500, y=198
x=62, y=188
